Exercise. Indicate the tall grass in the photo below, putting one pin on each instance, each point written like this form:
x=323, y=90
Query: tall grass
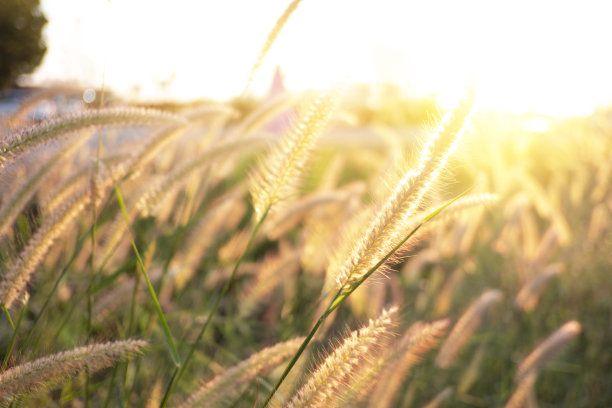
x=238, y=256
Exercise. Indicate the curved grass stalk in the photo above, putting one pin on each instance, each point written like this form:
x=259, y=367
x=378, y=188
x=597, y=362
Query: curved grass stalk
x=520, y=396
x=152, y=147
x=440, y=398
x=289, y=217
x=270, y=184
x=419, y=338
x=76, y=251
x=273, y=271
x=260, y=116
x=224, y=215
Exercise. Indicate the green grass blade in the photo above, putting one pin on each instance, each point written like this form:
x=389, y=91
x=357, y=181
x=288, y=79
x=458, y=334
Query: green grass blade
x=344, y=293
x=176, y=376
x=8, y=316
x=167, y=335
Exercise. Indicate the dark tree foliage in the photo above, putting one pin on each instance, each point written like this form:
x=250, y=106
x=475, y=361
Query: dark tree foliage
x=21, y=44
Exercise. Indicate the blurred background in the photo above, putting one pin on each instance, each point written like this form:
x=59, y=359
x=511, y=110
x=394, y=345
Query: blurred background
x=541, y=140
x=545, y=57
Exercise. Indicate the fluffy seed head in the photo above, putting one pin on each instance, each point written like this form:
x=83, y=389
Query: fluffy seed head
x=228, y=383
x=276, y=178
x=330, y=377
x=466, y=325
x=47, y=371
x=396, y=217
x=52, y=129
x=547, y=349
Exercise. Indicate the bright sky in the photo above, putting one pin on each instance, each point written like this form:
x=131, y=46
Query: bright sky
x=526, y=55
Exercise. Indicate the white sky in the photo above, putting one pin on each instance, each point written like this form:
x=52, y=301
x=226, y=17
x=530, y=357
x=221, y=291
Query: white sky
x=546, y=56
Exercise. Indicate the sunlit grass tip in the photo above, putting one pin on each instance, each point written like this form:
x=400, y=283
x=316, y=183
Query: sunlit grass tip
x=330, y=377
x=276, y=178
x=53, y=129
x=465, y=326
x=396, y=217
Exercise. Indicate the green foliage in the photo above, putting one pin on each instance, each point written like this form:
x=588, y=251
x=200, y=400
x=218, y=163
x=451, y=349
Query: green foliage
x=21, y=44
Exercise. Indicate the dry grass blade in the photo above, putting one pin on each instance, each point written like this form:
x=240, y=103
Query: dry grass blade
x=461, y=206
x=158, y=191
x=440, y=398
x=274, y=271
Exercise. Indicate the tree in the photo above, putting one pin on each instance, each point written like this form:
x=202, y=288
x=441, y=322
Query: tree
x=21, y=44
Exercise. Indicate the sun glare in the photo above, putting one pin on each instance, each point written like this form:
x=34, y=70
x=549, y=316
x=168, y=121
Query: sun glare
x=544, y=57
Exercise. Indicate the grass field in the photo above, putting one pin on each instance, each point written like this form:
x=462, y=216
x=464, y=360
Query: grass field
x=304, y=250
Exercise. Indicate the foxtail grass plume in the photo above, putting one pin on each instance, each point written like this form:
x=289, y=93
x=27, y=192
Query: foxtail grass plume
x=222, y=217
x=15, y=202
x=473, y=371
x=16, y=278
x=53, y=129
x=228, y=384
x=417, y=341
x=440, y=398
x=461, y=206
x=277, y=176
x=158, y=191
x=520, y=396
x=528, y=296
x=48, y=371
x=273, y=271
x=330, y=377
x=253, y=122
x=278, y=26
x=465, y=326
x=547, y=349
x=396, y=217
x=285, y=220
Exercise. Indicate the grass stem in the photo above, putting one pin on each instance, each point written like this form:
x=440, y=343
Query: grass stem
x=344, y=293
x=8, y=316
x=178, y=372
x=167, y=335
